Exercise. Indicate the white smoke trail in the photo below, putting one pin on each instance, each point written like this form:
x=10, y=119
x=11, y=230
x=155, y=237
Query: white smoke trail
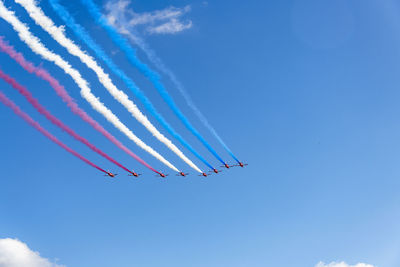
x=36, y=46
x=58, y=34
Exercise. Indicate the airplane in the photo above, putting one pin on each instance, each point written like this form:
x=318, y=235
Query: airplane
x=162, y=174
x=203, y=174
x=226, y=166
x=216, y=171
x=134, y=174
x=111, y=174
x=241, y=164
x=182, y=174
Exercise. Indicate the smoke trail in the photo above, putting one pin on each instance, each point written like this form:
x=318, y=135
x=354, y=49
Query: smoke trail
x=23, y=91
x=7, y=102
x=58, y=34
x=43, y=74
x=151, y=55
x=36, y=46
x=160, y=65
x=85, y=37
x=152, y=75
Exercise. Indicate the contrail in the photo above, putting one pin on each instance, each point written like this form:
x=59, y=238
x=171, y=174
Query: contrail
x=58, y=34
x=85, y=37
x=42, y=110
x=151, y=55
x=59, y=89
x=36, y=46
x=7, y=102
x=152, y=75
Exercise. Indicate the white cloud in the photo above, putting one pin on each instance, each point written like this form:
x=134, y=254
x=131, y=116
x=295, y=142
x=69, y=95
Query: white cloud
x=342, y=264
x=14, y=253
x=164, y=21
x=172, y=26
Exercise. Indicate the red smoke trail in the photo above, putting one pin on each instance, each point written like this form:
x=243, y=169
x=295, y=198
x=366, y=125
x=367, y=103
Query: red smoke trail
x=23, y=91
x=43, y=74
x=7, y=102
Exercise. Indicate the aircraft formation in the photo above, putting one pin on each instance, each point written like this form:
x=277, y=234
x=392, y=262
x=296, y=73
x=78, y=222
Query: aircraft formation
x=93, y=62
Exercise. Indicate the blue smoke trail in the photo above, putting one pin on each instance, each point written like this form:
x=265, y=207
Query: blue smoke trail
x=123, y=22
x=160, y=65
x=85, y=37
x=152, y=75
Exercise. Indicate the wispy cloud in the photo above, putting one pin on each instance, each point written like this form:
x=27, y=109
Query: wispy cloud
x=173, y=26
x=342, y=264
x=14, y=253
x=164, y=21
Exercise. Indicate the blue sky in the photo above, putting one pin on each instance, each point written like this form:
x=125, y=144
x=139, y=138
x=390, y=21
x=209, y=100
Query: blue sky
x=306, y=92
